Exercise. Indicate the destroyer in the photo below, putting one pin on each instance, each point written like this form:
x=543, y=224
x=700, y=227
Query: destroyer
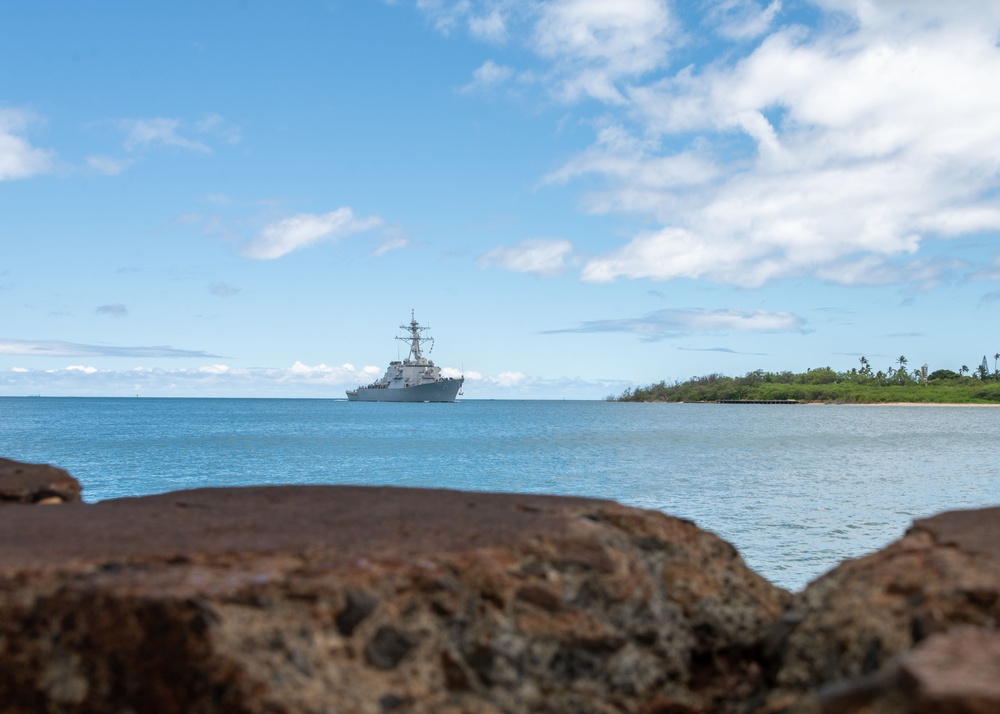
x=415, y=379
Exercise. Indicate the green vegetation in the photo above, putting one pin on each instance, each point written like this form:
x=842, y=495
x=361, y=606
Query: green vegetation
x=858, y=386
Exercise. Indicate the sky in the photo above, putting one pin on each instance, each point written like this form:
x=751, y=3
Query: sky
x=248, y=198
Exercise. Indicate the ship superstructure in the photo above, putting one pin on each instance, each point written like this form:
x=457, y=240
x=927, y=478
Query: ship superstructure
x=415, y=379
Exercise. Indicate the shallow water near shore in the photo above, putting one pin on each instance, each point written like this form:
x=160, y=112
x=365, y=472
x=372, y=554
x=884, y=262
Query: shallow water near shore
x=796, y=488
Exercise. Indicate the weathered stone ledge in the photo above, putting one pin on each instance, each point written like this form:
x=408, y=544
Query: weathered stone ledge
x=351, y=599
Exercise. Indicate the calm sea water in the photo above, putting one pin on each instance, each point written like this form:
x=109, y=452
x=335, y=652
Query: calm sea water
x=795, y=488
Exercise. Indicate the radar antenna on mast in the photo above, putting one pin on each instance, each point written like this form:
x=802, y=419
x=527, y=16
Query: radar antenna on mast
x=414, y=338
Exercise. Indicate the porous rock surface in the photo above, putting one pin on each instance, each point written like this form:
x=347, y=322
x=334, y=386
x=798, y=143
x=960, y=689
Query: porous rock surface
x=953, y=672
x=350, y=599
x=869, y=635
x=23, y=483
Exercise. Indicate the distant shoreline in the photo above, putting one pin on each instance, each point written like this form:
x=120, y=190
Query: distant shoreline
x=853, y=404
x=826, y=386
x=905, y=404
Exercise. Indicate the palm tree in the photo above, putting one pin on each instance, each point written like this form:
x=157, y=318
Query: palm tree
x=995, y=358
x=963, y=369
x=902, y=361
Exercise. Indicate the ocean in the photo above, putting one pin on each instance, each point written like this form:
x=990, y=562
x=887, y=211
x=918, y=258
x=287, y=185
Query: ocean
x=796, y=488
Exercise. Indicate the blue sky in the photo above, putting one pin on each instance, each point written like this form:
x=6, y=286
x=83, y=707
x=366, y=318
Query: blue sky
x=247, y=198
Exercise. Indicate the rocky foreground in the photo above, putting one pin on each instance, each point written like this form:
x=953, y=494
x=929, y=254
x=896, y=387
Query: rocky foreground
x=349, y=599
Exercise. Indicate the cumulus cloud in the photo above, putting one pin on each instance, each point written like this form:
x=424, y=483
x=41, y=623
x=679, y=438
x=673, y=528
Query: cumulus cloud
x=671, y=323
x=859, y=145
x=115, y=310
x=491, y=26
x=295, y=232
x=778, y=149
x=510, y=378
x=489, y=74
x=79, y=368
x=56, y=348
x=484, y=21
x=540, y=256
x=591, y=46
x=18, y=158
x=595, y=45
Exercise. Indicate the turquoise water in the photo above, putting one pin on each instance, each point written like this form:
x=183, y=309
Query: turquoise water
x=795, y=488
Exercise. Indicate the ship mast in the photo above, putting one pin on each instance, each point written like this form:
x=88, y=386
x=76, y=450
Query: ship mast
x=414, y=338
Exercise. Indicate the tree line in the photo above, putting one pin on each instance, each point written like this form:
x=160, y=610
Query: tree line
x=861, y=384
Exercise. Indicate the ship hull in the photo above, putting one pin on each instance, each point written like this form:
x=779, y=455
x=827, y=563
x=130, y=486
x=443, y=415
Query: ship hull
x=445, y=390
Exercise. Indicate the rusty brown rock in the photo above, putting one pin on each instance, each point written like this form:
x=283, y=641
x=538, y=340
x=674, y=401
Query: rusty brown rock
x=314, y=599
x=36, y=484
x=948, y=673
x=852, y=623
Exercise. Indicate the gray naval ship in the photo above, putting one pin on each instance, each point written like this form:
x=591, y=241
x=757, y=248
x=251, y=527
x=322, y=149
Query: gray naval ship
x=415, y=379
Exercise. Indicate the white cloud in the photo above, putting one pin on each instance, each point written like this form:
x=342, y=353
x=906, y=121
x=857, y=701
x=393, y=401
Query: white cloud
x=743, y=19
x=141, y=134
x=391, y=244
x=18, y=158
x=922, y=273
x=156, y=132
x=485, y=21
x=217, y=126
x=344, y=374
x=862, y=144
x=489, y=74
x=289, y=234
x=775, y=149
x=510, y=379
x=491, y=26
x=594, y=44
x=299, y=380
x=513, y=384
x=446, y=15
x=214, y=369
x=79, y=368
x=108, y=165
x=540, y=256
x=672, y=323
x=56, y=348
